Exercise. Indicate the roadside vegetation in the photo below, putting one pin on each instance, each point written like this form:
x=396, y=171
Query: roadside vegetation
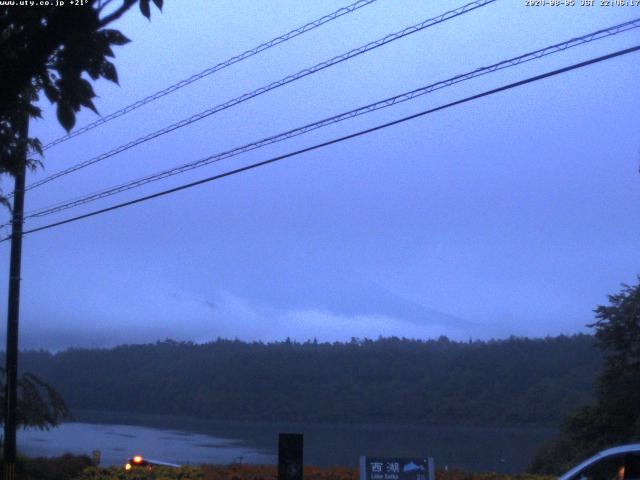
x=64, y=467
x=69, y=467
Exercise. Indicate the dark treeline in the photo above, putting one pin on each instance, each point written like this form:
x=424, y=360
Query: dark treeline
x=515, y=381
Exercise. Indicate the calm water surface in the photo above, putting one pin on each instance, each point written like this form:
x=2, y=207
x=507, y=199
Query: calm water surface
x=192, y=441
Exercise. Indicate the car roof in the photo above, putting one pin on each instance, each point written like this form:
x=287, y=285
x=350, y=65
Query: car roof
x=609, y=452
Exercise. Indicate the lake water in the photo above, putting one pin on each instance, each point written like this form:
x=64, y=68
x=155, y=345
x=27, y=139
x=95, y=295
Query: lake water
x=193, y=441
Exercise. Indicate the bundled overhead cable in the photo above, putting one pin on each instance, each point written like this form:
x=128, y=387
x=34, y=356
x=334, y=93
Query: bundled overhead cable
x=267, y=88
x=512, y=62
x=211, y=70
x=338, y=140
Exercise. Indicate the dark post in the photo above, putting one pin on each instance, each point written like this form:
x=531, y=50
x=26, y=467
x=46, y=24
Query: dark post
x=290, y=453
x=11, y=387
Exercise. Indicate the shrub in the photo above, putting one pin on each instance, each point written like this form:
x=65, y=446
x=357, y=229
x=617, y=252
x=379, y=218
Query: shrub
x=64, y=467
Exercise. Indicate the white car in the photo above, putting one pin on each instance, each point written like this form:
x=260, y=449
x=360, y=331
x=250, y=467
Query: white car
x=618, y=463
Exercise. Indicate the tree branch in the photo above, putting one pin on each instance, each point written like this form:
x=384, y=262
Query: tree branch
x=103, y=4
x=126, y=5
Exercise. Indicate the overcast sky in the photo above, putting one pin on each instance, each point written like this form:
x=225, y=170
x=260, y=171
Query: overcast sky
x=514, y=214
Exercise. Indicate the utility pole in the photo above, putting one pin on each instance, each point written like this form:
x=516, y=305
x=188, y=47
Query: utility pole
x=13, y=310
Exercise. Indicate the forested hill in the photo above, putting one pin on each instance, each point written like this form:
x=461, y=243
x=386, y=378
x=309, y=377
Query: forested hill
x=514, y=381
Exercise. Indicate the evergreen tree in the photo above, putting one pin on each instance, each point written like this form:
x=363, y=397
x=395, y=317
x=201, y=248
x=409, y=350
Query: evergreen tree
x=614, y=416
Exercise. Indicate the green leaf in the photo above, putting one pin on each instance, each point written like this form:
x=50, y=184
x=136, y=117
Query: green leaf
x=144, y=8
x=89, y=104
x=84, y=89
x=93, y=72
x=34, y=112
x=33, y=164
x=109, y=72
x=115, y=37
x=66, y=116
x=36, y=145
x=94, y=65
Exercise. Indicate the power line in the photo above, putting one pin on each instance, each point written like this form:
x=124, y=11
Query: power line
x=337, y=140
x=603, y=33
x=211, y=70
x=284, y=81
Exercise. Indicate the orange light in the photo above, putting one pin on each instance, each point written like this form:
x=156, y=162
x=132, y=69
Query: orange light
x=127, y=466
x=137, y=459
